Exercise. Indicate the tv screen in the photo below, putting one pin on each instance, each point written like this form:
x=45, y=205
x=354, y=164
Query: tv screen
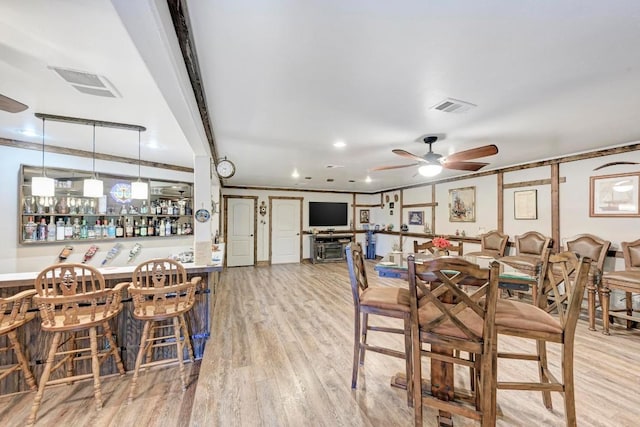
x=328, y=214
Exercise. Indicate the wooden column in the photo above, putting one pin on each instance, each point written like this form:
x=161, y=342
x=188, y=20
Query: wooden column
x=500, y=179
x=555, y=206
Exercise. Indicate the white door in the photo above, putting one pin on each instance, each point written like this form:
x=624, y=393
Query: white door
x=240, y=232
x=285, y=231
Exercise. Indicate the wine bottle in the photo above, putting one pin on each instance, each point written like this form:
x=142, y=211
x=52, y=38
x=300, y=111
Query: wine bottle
x=90, y=253
x=119, y=229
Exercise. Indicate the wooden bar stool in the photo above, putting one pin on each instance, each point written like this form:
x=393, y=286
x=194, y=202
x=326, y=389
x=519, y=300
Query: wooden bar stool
x=13, y=314
x=492, y=244
x=74, y=298
x=161, y=292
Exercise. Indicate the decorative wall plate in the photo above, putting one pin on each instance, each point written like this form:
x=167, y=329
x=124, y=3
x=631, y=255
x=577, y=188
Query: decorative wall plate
x=386, y=198
x=395, y=197
x=202, y=215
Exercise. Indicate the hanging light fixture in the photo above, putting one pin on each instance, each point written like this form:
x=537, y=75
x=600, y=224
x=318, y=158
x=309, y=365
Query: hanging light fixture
x=139, y=189
x=93, y=187
x=430, y=169
x=42, y=186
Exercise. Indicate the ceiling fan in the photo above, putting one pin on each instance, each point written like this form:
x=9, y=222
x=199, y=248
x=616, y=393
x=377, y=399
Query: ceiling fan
x=432, y=163
x=11, y=105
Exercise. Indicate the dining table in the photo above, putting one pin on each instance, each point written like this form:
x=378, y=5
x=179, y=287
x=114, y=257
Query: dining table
x=441, y=384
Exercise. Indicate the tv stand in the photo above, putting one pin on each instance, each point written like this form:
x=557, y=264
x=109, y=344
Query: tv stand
x=329, y=247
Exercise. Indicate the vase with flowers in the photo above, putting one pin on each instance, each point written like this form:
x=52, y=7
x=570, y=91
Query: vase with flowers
x=440, y=245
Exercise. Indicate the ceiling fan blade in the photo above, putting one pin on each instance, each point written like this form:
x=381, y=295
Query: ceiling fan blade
x=408, y=155
x=474, y=153
x=11, y=105
x=384, y=168
x=464, y=166
x=606, y=165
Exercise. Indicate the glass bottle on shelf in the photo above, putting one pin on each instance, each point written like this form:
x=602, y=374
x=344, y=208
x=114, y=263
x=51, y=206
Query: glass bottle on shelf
x=144, y=209
x=167, y=230
x=91, y=232
x=84, y=230
x=68, y=230
x=143, y=227
x=136, y=228
x=60, y=229
x=162, y=227
x=30, y=230
x=123, y=209
x=128, y=228
x=111, y=230
x=150, y=228
x=51, y=230
x=42, y=230
x=76, y=229
x=119, y=229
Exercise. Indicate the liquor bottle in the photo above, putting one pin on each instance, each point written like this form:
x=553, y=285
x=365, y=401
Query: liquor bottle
x=65, y=252
x=174, y=227
x=42, y=229
x=90, y=253
x=111, y=230
x=97, y=230
x=51, y=230
x=113, y=252
x=216, y=239
x=128, y=229
x=91, y=232
x=119, y=229
x=143, y=228
x=187, y=228
x=167, y=231
x=68, y=230
x=60, y=229
x=162, y=228
x=134, y=252
x=179, y=230
x=84, y=230
x=105, y=229
x=30, y=230
x=144, y=209
x=150, y=228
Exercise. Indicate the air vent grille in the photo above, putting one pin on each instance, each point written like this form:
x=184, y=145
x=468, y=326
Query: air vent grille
x=92, y=91
x=88, y=83
x=451, y=105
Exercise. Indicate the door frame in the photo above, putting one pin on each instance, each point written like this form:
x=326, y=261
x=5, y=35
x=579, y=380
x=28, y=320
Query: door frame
x=255, y=223
x=271, y=198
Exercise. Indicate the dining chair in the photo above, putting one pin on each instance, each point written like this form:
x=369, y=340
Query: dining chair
x=595, y=249
x=13, y=314
x=423, y=247
x=73, y=298
x=561, y=294
x=492, y=244
x=450, y=320
x=161, y=296
x=380, y=301
x=628, y=281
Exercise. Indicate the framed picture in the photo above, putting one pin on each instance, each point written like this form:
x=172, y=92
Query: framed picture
x=416, y=217
x=364, y=216
x=391, y=205
x=462, y=204
x=614, y=195
x=525, y=204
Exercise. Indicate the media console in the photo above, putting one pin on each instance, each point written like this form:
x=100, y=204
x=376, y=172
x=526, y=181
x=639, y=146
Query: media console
x=329, y=247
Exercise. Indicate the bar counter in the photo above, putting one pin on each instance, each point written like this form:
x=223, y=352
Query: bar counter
x=126, y=329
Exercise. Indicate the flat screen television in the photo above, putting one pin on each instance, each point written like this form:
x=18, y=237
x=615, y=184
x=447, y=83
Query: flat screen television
x=328, y=214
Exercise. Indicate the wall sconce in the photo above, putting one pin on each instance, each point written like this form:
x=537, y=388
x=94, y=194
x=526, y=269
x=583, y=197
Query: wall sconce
x=139, y=189
x=93, y=187
x=42, y=186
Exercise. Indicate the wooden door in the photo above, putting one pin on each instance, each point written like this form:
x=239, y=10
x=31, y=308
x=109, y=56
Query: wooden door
x=241, y=231
x=286, y=230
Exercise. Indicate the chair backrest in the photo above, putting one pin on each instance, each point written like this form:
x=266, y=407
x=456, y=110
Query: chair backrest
x=532, y=243
x=163, y=281
x=357, y=271
x=590, y=246
x=631, y=251
x=563, y=293
x=494, y=243
x=422, y=247
x=13, y=309
x=457, y=248
x=449, y=310
x=75, y=290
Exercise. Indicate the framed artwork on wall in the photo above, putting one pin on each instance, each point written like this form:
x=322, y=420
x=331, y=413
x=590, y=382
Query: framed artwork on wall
x=614, y=195
x=364, y=216
x=525, y=204
x=416, y=217
x=462, y=204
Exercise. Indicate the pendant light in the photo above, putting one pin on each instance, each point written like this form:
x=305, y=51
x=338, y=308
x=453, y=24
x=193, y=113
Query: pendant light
x=42, y=186
x=93, y=187
x=139, y=189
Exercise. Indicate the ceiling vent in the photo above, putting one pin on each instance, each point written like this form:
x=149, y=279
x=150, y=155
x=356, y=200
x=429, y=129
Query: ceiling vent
x=90, y=84
x=334, y=166
x=451, y=105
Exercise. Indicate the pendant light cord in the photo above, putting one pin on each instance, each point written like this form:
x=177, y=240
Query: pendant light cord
x=43, y=147
x=138, y=154
x=94, y=151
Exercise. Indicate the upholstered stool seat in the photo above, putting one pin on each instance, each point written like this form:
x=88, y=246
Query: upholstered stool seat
x=522, y=316
x=386, y=298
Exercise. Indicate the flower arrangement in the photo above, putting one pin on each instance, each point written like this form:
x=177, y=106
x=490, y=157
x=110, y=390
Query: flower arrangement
x=441, y=242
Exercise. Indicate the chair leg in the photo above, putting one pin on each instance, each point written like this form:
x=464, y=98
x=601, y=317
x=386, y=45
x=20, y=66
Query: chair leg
x=148, y=344
x=24, y=365
x=44, y=378
x=606, y=293
x=363, y=331
x=543, y=368
x=95, y=366
x=629, y=307
x=141, y=352
x=416, y=364
x=71, y=356
x=113, y=347
x=356, y=348
x=180, y=351
x=187, y=337
x=591, y=305
x=567, y=379
x=408, y=356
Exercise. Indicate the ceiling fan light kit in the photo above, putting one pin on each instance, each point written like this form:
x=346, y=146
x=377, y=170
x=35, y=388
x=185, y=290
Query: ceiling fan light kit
x=429, y=170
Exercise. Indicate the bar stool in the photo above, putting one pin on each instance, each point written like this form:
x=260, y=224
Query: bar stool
x=13, y=314
x=161, y=292
x=74, y=298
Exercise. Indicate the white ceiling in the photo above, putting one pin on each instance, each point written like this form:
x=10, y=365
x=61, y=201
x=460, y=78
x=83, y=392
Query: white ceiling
x=286, y=79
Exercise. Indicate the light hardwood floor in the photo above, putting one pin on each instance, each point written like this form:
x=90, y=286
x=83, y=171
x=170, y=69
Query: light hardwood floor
x=280, y=354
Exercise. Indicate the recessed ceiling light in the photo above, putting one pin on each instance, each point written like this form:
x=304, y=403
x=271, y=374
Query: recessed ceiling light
x=367, y=179
x=295, y=173
x=339, y=144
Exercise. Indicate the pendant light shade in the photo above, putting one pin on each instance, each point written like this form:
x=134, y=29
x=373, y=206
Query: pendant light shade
x=139, y=189
x=42, y=186
x=93, y=187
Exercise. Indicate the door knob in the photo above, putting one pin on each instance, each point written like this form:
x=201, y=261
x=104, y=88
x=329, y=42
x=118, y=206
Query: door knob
x=250, y=235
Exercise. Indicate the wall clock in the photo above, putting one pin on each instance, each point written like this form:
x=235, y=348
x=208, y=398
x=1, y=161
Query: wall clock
x=225, y=168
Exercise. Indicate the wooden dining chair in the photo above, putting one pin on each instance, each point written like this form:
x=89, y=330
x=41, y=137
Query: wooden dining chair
x=532, y=250
x=73, y=298
x=492, y=244
x=380, y=301
x=450, y=320
x=426, y=247
x=13, y=314
x=561, y=294
x=161, y=296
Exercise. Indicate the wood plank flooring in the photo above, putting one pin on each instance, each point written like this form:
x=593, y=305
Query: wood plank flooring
x=280, y=354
